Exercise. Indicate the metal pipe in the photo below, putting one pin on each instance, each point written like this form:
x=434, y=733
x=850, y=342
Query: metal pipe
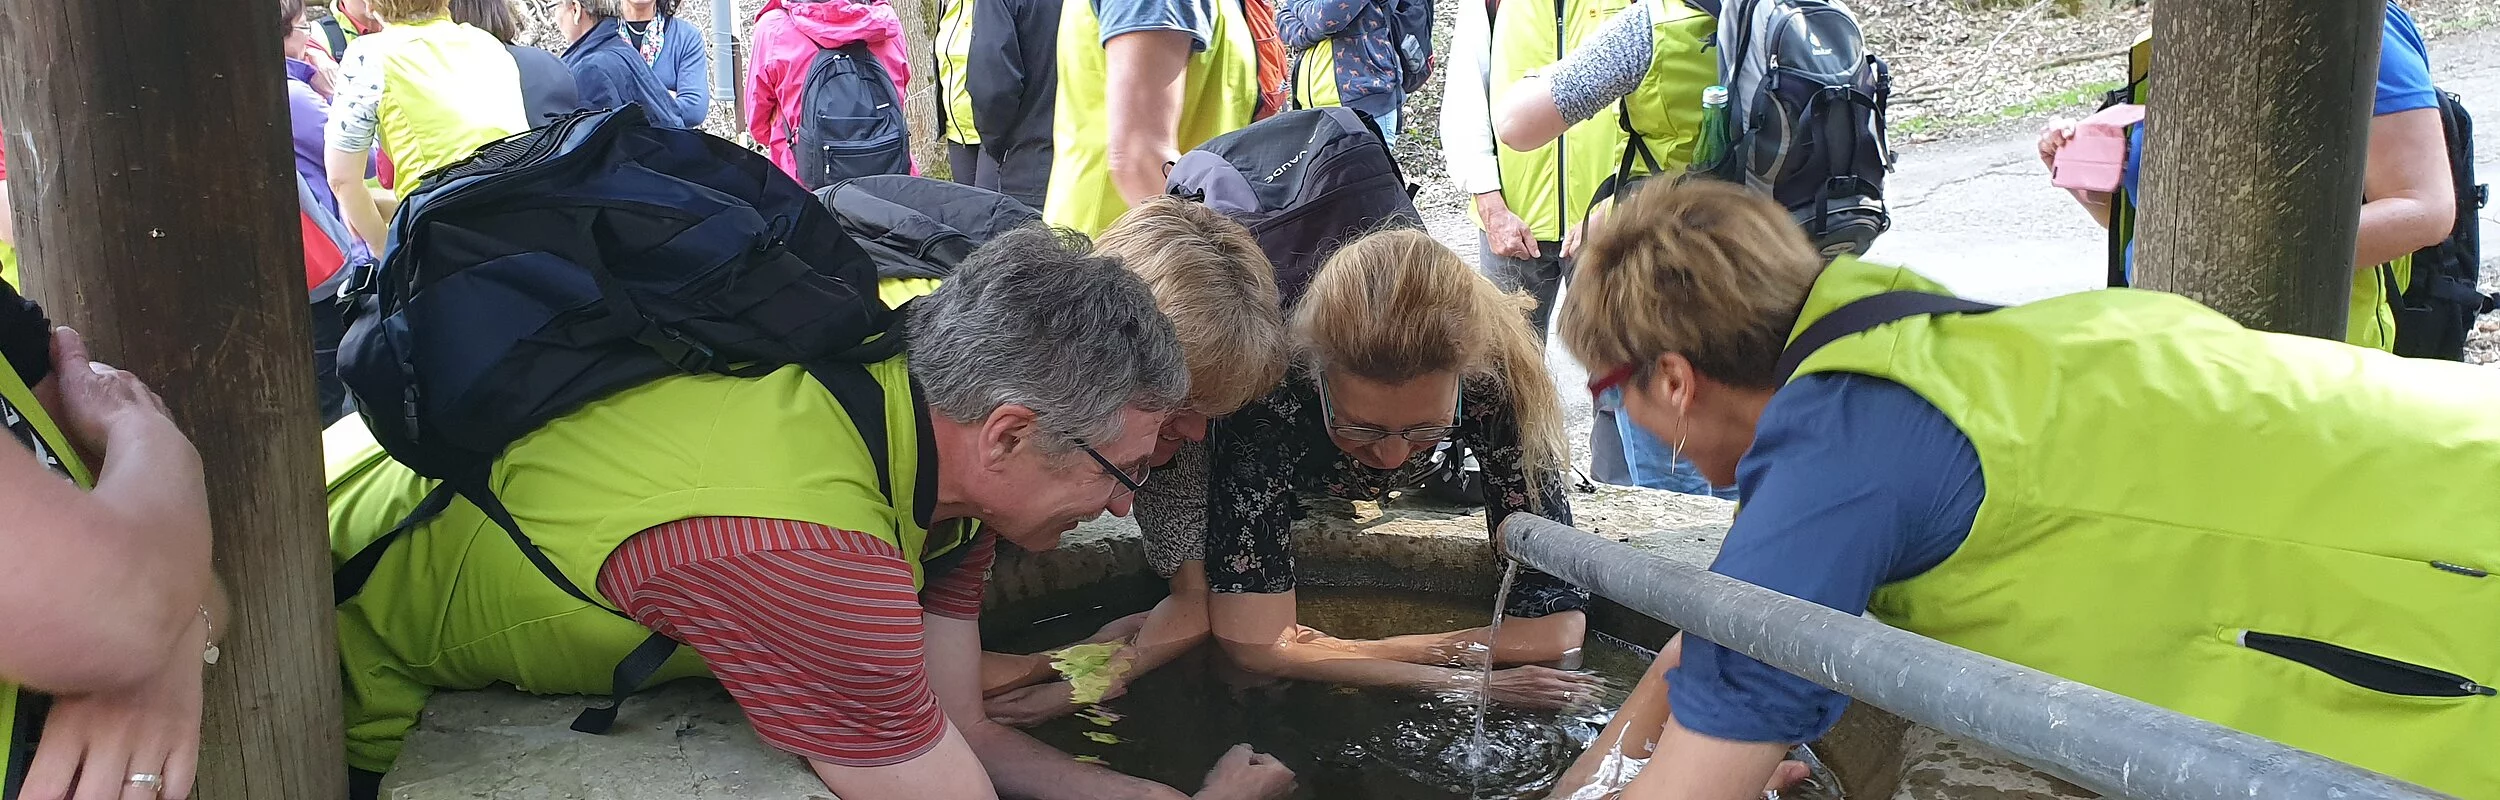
x=724, y=50
x=2101, y=741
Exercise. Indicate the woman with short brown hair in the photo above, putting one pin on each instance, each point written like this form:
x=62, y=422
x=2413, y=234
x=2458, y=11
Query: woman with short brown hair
x=2122, y=488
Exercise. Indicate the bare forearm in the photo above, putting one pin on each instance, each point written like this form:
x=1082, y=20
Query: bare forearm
x=1143, y=91
x=152, y=482
x=118, y=575
x=1522, y=641
x=1022, y=767
x=1333, y=661
x=1691, y=766
x=1525, y=115
x=1630, y=736
x=346, y=171
x=1175, y=626
x=2094, y=203
x=2394, y=227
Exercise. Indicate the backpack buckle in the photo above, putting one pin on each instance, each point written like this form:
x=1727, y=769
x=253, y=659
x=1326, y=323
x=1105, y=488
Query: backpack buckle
x=680, y=350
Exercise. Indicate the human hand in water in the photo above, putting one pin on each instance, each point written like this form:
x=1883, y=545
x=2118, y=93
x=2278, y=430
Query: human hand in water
x=1540, y=687
x=1247, y=774
x=1038, y=703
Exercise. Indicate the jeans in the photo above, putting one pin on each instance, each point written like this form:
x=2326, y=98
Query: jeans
x=1655, y=464
x=1542, y=277
x=1389, y=128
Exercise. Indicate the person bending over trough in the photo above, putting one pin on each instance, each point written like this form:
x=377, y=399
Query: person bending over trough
x=2121, y=488
x=1397, y=346
x=743, y=518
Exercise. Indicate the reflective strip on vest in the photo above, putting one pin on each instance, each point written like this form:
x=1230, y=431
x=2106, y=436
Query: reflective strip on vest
x=34, y=429
x=1666, y=108
x=2160, y=479
x=1220, y=91
x=954, y=52
x=454, y=604
x=1550, y=187
x=447, y=89
x=1315, y=76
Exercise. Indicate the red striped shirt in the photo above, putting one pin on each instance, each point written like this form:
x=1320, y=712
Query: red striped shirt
x=815, y=631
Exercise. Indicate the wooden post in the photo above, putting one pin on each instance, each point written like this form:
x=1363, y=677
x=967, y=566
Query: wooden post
x=2259, y=114
x=149, y=160
x=920, y=107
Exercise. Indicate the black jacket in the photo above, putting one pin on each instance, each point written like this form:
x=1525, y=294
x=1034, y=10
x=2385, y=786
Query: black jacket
x=1014, y=80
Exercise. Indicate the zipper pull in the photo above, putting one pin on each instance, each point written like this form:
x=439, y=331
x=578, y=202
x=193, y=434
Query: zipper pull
x=2460, y=569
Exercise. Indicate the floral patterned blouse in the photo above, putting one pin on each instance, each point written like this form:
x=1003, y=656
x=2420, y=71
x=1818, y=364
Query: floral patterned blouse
x=1262, y=456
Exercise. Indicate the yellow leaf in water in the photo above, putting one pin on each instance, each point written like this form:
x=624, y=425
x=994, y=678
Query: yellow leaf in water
x=1103, y=738
x=1089, y=669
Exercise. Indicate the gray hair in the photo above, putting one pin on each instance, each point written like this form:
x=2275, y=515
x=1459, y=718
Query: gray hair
x=603, y=9
x=1035, y=318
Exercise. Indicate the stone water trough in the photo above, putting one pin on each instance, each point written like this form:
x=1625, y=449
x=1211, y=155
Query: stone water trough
x=688, y=741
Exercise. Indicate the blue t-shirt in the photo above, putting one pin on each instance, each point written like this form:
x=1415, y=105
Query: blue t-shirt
x=1196, y=17
x=1853, y=482
x=2404, y=84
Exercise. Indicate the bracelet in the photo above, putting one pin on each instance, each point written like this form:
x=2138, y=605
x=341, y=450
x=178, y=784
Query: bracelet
x=208, y=649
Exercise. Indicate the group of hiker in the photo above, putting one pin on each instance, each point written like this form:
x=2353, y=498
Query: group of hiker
x=679, y=408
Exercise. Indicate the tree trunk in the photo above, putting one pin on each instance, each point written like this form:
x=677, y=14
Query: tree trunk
x=152, y=176
x=920, y=108
x=2259, y=114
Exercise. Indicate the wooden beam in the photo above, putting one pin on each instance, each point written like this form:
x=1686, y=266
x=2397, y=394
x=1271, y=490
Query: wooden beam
x=150, y=166
x=2259, y=114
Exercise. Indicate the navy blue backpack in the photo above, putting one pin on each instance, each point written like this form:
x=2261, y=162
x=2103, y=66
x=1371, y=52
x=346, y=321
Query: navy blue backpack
x=572, y=262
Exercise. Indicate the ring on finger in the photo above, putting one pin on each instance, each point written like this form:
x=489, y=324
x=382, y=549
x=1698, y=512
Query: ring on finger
x=152, y=781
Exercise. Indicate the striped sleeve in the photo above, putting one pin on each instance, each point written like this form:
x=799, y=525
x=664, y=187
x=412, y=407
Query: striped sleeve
x=957, y=594
x=815, y=631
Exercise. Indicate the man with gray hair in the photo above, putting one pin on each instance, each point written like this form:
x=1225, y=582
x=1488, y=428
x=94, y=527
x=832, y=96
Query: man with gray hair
x=829, y=576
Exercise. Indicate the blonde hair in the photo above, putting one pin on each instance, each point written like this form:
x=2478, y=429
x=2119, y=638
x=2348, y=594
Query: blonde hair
x=402, y=12
x=1215, y=284
x=1711, y=270
x=1396, y=305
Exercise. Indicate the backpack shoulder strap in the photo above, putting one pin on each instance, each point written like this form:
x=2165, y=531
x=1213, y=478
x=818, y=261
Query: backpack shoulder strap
x=1865, y=314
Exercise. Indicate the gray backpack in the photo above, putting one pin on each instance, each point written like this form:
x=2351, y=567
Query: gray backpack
x=1805, y=115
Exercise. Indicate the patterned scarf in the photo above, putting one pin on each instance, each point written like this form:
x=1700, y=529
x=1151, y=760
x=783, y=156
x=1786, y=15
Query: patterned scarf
x=654, y=35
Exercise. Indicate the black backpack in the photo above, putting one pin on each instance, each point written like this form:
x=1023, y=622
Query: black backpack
x=1805, y=114
x=1303, y=182
x=1410, y=31
x=916, y=227
x=2435, y=312
x=850, y=120
x=571, y=262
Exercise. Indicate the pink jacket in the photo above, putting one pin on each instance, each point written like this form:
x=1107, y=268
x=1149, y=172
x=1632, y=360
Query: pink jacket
x=787, y=36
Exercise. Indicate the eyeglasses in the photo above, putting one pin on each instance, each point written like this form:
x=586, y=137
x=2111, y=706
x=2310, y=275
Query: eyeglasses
x=1606, y=391
x=1365, y=434
x=1129, y=484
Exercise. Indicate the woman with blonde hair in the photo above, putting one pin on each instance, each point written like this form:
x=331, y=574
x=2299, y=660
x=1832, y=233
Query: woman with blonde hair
x=1396, y=346
x=2122, y=488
